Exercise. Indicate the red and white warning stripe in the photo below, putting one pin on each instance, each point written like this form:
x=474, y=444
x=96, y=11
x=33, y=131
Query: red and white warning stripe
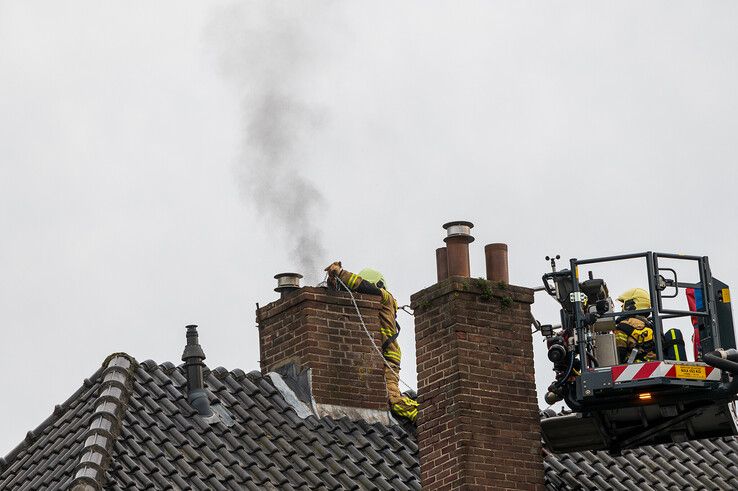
x=654, y=369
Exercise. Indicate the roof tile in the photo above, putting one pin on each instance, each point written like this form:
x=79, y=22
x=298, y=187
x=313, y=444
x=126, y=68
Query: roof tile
x=155, y=440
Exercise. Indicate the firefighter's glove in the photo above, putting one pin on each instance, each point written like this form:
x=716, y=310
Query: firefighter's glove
x=333, y=271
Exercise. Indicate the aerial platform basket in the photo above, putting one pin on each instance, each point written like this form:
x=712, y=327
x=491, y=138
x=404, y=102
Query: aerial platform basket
x=619, y=404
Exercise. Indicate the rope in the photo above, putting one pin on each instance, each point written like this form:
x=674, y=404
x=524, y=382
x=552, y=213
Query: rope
x=369, y=335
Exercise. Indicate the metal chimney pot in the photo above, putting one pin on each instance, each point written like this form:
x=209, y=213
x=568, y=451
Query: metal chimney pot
x=457, y=247
x=459, y=228
x=287, y=282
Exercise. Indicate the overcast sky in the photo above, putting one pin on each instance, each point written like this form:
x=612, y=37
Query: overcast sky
x=160, y=162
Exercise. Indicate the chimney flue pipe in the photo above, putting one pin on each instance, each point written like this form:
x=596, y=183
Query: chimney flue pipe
x=287, y=283
x=457, y=247
x=442, y=263
x=496, y=259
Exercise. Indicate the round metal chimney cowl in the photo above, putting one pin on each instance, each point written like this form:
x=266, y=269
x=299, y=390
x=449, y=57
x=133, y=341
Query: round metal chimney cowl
x=459, y=228
x=287, y=282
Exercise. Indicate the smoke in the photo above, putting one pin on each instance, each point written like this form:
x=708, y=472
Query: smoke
x=270, y=51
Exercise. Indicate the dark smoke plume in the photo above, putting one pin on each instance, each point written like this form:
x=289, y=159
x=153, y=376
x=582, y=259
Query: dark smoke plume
x=267, y=50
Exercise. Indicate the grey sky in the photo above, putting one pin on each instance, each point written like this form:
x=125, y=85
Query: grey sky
x=126, y=195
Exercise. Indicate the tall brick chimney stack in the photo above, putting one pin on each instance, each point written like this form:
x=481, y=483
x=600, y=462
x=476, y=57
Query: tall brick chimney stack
x=478, y=426
x=319, y=330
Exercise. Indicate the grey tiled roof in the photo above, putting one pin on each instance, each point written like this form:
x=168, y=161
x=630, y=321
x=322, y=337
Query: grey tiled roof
x=697, y=465
x=130, y=427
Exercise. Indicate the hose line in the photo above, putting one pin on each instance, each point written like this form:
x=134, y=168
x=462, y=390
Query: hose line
x=722, y=360
x=568, y=370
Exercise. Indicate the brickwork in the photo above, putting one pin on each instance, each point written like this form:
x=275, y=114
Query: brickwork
x=478, y=426
x=319, y=329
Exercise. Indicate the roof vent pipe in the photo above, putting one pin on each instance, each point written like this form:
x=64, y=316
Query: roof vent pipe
x=287, y=283
x=193, y=357
x=496, y=259
x=457, y=247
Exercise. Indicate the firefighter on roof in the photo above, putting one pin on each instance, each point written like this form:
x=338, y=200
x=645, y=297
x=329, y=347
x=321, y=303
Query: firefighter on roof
x=634, y=333
x=372, y=282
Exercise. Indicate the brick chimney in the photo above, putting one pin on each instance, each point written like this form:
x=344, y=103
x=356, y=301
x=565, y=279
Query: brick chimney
x=319, y=332
x=478, y=425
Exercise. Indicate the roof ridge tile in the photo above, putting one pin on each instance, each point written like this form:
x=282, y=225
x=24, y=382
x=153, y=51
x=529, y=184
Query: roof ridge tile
x=106, y=422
